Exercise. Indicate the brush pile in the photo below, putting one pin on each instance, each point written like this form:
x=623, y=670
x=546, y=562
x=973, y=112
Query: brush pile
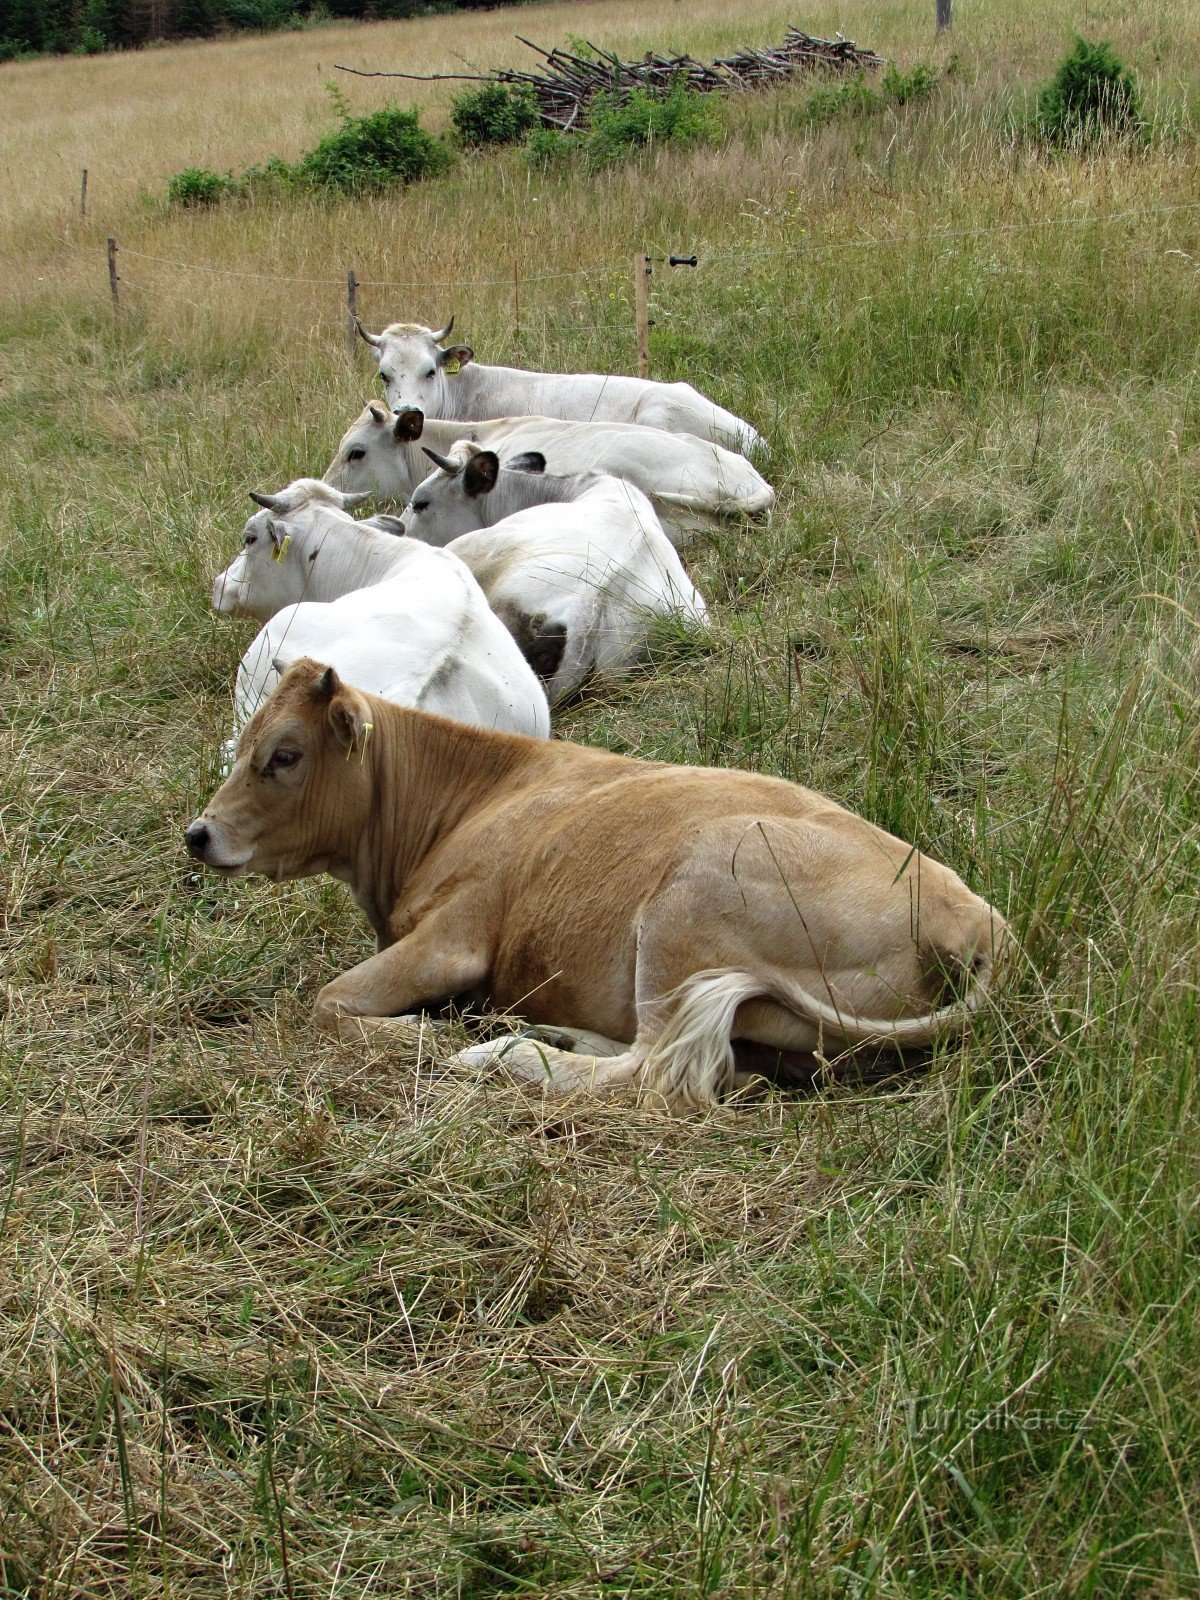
x=570, y=81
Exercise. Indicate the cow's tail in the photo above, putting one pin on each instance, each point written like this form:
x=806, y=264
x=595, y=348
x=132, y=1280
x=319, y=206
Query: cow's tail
x=690, y=1059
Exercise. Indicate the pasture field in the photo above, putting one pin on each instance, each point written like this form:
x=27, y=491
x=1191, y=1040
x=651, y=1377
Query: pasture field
x=281, y=1317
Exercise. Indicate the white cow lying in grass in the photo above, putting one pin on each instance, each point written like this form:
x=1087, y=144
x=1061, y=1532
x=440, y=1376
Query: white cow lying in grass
x=419, y=372
x=395, y=617
x=576, y=567
x=690, y=482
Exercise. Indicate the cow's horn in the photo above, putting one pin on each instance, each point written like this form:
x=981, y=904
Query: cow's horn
x=327, y=684
x=442, y=461
x=371, y=338
x=445, y=332
x=273, y=502
x=349, y=501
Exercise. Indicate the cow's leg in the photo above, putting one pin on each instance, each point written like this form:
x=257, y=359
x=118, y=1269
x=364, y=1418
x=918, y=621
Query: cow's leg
x=561, y=1073
x=681, y=1055
x=431, y=964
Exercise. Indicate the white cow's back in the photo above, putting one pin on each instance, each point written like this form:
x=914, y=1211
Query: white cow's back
x=423, y=637
x=599, y=566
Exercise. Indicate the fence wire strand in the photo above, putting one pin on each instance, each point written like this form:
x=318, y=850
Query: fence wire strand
x=780, y=252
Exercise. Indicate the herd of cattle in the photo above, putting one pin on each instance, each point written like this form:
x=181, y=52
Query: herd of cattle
x=666, y=928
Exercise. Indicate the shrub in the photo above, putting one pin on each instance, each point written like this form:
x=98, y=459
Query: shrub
x=274, y=174
x=375, y=151
x=902, y=87
x=1091, y=94
x=856, y=96
x=197, y=186
x=551, y=147
x=495, y=114
x=831, y=100
x=616, y=128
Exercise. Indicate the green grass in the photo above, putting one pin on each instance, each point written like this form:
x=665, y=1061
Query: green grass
x=279, y=1316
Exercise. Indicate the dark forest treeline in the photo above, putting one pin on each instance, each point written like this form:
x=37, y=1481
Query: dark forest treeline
x=90, y=26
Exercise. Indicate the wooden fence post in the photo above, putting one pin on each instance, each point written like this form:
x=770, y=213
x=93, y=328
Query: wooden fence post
x=641, y=302
x=943, y=14
x=351, y=310
x=83, y=194
x=113, y=279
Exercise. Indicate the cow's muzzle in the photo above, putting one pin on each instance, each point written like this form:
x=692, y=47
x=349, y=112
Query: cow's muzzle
x=197, y=838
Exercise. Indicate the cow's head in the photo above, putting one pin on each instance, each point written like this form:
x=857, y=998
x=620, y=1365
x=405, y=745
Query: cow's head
x=279, y=545
x=367, y=460
x=457, y=497
x=416, y=366
x=299, y=793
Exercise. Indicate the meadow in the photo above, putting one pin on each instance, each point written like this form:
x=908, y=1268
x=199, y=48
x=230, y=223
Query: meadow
x=283, y=1317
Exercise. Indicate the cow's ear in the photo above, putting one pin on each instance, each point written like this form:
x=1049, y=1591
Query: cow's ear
x=481, y=472
x=393, y=525
x=528, y=461
x=349, y=719
x=409, y=425
x=455, y=357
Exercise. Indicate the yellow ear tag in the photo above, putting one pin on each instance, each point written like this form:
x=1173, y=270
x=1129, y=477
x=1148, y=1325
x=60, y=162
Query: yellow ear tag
x=453, y=367
x=362, y=750
x=280, y=550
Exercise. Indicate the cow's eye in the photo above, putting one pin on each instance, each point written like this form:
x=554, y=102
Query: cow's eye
x=355, y=455
x=386, y=377
x=420, y=505
x=252, y=539
x=432, y=372
x=283, y=758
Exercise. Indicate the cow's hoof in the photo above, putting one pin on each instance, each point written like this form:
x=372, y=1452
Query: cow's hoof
x=576, y=1041
x=522, y=1059
x=413, y=1031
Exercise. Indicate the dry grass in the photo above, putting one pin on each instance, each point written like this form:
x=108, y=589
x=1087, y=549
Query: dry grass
x=278, y=1317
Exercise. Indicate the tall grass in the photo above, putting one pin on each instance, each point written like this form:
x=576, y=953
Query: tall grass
x=282, y=1317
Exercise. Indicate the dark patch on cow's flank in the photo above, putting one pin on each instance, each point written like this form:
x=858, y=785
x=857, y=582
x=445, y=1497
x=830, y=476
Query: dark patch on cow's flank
x=541, y=642
x=440, y=677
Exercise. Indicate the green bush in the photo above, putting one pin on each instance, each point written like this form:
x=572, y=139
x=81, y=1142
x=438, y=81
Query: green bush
x=551, y=147
x=616, y=128
x=362, y=153
x=197, y=186
x=274, y=174
x=384, y=147
x=855, y=95
x=495, y=114
x=832, y=100
x=902, y=87
x=1091, y=94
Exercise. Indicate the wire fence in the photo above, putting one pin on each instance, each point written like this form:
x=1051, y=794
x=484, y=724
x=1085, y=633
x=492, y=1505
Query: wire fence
x=758, y=256
x=610, y=268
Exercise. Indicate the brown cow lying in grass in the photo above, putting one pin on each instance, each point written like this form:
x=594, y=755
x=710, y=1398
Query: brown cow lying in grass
x=682, y=913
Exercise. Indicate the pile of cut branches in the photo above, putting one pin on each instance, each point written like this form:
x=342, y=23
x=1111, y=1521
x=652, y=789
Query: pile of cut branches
x=571, y=80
